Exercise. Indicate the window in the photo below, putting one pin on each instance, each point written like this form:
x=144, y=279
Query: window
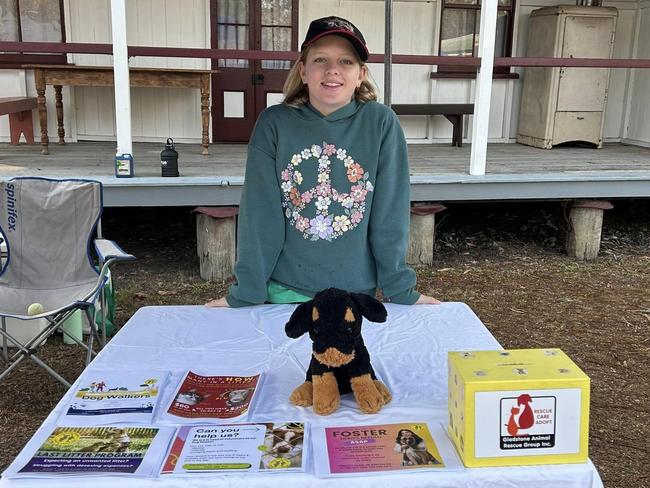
x=274, y=32
x=232, y=30
x=460, y=33
x=31, y=21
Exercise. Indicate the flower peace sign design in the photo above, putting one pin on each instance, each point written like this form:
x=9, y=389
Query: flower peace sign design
x=337, y=210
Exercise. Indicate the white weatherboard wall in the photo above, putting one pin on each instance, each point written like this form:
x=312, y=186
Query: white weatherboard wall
x=156, y=113
x=89, y=112
x=20, y=83
x=638, y=124
x=12, y=84
x=619, y=79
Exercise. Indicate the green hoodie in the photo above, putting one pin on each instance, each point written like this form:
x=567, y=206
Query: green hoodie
x=325, y=204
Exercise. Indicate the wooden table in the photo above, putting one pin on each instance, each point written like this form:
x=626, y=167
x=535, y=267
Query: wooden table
x=72, y=75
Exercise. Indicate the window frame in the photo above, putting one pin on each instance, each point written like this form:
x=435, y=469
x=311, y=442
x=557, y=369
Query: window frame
x=449, y=71
x=15, y=60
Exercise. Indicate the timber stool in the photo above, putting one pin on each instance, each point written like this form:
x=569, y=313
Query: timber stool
x=422, y=232
x=215, y=241
x=586, y=223
x=19, y=110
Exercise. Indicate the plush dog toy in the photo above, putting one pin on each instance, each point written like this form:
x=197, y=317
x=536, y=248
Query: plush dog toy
x=340, y=362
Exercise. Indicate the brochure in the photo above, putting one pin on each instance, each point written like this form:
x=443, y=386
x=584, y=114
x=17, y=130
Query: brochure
x=115, y=396
x=200, y=397
x=95, y=450
x=237, y=448
x=369, y=449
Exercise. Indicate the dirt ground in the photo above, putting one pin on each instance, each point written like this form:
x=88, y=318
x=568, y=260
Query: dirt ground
x=506, y=261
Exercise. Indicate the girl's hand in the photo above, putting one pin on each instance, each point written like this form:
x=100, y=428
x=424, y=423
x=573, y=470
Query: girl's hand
x=219, y=302
x=426, y=299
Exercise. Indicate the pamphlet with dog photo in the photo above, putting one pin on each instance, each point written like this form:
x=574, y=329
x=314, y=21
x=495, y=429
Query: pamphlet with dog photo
x=114, y=396
x=237, y=448
x=200, y=397
x=92, y=451
x=371, y=449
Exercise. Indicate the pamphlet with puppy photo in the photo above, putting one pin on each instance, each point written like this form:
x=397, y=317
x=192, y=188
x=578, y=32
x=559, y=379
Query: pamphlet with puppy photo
x=372, y=449
x=200, y=397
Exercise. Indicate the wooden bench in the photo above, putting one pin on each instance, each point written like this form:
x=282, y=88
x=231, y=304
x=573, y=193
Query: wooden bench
x=452, y=111
x=19, y=110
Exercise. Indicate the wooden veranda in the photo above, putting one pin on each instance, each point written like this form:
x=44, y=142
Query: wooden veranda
x=438, y=172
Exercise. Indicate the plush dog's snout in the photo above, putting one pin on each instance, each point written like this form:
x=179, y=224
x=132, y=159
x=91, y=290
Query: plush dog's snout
x=339, y=340
x=333, y=358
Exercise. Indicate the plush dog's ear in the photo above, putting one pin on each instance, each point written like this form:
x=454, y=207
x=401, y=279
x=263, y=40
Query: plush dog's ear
x=300, y=319
x=370, y=307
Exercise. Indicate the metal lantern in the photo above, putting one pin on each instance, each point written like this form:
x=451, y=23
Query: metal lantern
x=169, y=159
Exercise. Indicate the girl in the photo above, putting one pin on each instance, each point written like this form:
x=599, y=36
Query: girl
x=326, y=193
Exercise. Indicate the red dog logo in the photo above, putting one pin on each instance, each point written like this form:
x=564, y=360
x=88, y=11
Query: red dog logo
x=526, y=418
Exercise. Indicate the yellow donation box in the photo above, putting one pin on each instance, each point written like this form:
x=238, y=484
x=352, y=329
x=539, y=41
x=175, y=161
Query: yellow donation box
x=517, y=407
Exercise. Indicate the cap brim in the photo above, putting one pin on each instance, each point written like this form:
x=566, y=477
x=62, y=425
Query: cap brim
x=359, y=46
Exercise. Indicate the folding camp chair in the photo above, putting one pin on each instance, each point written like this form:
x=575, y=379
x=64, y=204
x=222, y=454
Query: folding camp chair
x=48, y=228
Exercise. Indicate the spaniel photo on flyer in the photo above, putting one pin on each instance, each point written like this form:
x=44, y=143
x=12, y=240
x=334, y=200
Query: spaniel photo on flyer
x=413, y=449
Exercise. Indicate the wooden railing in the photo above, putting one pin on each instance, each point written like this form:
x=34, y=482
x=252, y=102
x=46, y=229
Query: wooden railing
x=175, y=52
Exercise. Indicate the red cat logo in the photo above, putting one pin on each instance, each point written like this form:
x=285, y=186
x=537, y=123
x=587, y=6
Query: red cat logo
x=526, y=418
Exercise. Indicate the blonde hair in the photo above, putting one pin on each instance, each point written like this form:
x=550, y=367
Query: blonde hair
x=296, y=92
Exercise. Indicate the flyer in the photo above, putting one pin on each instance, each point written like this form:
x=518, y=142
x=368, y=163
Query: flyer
x=236, y=448
x=370, y=449
x=115, y=396
x=200, y=397
x=96, y=450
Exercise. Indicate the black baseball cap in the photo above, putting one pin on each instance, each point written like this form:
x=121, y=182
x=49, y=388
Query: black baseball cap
x=340, y=27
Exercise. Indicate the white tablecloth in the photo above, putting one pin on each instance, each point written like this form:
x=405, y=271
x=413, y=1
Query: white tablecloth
x=409, y=353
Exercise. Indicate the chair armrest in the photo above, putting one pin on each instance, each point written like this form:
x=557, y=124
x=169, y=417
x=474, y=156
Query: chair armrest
x=110, y=250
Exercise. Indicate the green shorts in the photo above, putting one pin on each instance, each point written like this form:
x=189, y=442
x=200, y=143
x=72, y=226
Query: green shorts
x=278, y=293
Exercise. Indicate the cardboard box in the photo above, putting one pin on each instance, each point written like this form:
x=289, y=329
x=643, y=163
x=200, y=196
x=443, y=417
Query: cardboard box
x=518, y=407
